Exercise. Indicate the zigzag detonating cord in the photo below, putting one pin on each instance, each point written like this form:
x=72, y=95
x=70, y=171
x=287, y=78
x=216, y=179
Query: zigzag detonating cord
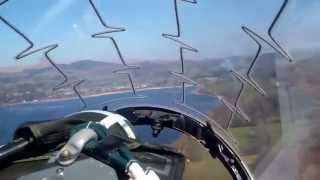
x=248, y=79
x=183, y=47
x=47, y=49
x=27, y=52
x=75, y=85
x=3, y=2
x=127, y=68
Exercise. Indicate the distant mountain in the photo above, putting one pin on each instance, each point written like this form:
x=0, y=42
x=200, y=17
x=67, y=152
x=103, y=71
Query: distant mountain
x=36, y=82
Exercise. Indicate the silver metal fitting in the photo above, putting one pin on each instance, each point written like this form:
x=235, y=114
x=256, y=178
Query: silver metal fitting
x=70, y=152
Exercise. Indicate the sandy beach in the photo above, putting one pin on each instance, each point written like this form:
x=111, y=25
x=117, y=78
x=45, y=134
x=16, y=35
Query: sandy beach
x=88, y=96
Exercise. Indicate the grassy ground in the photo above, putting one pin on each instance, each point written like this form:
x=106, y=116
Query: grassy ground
x=200, y=164
x=249, y=140
x=247, y=137
x=206, y=170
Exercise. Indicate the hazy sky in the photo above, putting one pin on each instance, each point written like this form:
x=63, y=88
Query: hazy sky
x=211, y=26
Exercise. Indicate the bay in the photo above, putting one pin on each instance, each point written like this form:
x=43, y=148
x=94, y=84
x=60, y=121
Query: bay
x=15, y=115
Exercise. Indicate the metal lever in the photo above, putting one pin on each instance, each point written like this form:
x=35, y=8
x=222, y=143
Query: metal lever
x=70, y=152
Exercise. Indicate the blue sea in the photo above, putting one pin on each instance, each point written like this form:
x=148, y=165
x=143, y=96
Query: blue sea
x=14, y=115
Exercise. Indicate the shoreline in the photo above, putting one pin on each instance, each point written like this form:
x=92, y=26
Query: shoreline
x=85, y=97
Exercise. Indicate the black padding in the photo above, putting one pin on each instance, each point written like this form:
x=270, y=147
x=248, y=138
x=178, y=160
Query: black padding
x=54, y=131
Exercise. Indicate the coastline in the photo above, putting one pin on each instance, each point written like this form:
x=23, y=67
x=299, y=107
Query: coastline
x=88, y=96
